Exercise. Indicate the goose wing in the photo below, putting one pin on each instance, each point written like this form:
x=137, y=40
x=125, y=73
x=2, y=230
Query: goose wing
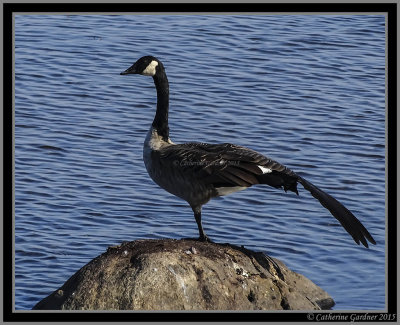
x=228, y=165
x=349, y=222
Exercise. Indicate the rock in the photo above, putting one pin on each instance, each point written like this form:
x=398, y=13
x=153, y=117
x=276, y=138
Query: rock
x=185, y=275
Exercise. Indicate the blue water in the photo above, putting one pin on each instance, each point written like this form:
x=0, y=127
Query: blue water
x=306, y=90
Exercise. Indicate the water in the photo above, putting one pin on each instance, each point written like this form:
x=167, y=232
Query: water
x=306, y=90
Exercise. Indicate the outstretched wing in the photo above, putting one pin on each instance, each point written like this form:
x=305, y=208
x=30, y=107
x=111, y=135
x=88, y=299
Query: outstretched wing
x=231, y=166
x=349, y=222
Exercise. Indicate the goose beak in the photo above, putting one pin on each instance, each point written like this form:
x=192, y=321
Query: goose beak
x=131, y=70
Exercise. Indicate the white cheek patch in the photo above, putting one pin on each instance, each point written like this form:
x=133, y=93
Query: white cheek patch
x=151, y=69
x=264, y=169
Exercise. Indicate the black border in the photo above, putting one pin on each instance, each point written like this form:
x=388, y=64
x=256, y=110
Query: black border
x=200, y=7
x=10, y=8
x=392, y=158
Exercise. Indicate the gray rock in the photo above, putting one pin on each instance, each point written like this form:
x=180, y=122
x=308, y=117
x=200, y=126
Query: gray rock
x=185, y=275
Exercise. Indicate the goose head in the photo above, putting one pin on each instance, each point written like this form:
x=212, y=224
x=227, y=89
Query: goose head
x=146, y=66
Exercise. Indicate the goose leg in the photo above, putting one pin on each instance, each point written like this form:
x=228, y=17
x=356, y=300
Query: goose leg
x=197, y=216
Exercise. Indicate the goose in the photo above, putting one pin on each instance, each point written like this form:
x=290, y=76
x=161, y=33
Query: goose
x=197, y=172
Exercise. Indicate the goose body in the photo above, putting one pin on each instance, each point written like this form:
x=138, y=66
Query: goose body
x=196, y=172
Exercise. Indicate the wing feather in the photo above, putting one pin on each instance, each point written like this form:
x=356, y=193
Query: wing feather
x=349, y=222
x=227, y=165
x=236, y=165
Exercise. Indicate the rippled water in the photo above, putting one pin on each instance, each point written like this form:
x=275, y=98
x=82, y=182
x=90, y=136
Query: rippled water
x=306, y=90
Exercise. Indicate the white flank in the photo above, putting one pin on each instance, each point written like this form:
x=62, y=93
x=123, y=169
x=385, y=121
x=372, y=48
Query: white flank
x=264, y=169
x=228, y=190
x=151, y=69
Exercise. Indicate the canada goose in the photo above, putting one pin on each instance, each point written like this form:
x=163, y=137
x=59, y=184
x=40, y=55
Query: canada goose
x=197, y=172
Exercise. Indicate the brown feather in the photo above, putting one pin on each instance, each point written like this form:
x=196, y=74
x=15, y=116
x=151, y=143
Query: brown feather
x=233, y=179
x=246, y=176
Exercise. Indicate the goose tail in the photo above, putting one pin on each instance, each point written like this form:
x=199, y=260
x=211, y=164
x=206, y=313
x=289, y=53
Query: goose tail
x=349, y=222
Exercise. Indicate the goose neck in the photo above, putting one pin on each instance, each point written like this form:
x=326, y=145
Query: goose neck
x=160, y=122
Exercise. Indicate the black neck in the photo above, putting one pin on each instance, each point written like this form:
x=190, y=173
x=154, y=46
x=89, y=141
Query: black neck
x=160, y=122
